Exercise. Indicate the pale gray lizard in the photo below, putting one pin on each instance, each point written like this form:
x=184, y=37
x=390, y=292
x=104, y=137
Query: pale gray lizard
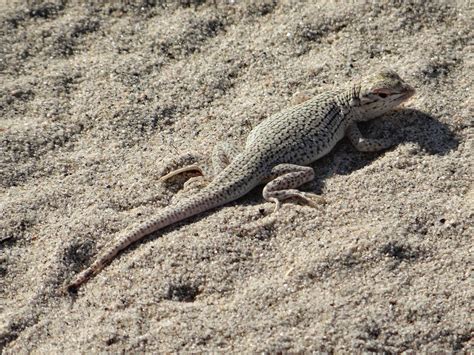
x=278, y=151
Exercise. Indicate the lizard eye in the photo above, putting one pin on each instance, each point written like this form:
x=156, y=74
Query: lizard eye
x=382, y=95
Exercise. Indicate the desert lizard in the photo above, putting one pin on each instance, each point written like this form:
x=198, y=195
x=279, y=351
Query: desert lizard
x=278, y=151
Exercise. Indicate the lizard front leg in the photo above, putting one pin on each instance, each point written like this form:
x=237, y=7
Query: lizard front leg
x=285, y=178
x=364, y=144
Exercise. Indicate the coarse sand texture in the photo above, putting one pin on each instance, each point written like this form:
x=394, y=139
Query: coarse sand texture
x=99, y=101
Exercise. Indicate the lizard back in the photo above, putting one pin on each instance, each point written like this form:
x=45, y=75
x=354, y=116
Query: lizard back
x=303, y=133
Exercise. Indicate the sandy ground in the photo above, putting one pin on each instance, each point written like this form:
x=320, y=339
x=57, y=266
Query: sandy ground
x=98, y=102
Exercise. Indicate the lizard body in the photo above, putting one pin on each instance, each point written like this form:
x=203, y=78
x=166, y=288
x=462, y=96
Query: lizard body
x=278, y=150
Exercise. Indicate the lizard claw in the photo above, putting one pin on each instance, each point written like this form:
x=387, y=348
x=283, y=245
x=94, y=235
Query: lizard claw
x=277, y=204
x=312, y=200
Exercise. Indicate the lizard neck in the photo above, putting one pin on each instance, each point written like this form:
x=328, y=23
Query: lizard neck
x=349, y=101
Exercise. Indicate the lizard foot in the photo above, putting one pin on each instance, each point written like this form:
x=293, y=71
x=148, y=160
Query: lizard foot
x=311, y=199
x=185, y=169
x=277, y=204
x=196, y=183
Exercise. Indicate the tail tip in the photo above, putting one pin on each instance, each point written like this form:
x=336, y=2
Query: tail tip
x=72, y=287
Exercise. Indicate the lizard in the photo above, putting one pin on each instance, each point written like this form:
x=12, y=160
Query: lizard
x=278, y=152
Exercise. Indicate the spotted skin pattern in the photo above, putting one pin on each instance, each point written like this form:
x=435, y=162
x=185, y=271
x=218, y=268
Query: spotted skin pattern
x=278, y=151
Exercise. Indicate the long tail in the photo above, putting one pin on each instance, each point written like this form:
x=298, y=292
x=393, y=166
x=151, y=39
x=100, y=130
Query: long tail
x=203, y=201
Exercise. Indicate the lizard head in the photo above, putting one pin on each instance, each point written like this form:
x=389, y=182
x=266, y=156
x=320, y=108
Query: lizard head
x=381, y=93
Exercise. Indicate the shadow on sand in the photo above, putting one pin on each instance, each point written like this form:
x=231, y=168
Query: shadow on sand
x=429, y=135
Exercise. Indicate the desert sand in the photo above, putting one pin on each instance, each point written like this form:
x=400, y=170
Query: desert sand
x=98, y=102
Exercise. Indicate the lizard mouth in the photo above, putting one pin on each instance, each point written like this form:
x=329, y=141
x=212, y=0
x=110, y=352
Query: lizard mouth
x=409, y=93
x=403, y=98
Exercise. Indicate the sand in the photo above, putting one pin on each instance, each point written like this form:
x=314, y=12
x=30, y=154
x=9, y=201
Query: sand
x=98, y=102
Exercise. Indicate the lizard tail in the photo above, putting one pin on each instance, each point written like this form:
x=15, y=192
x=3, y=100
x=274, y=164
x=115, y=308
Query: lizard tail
x=201, y=202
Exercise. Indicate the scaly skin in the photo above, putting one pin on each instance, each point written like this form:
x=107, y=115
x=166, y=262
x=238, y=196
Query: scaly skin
x=278, y=150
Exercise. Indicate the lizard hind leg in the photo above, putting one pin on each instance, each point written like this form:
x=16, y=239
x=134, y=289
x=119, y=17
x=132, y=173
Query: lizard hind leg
x=184, y=169
x=194, y=183
x=222, y=155
x=190, y=169
x=183, y=163
x=285, y=178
